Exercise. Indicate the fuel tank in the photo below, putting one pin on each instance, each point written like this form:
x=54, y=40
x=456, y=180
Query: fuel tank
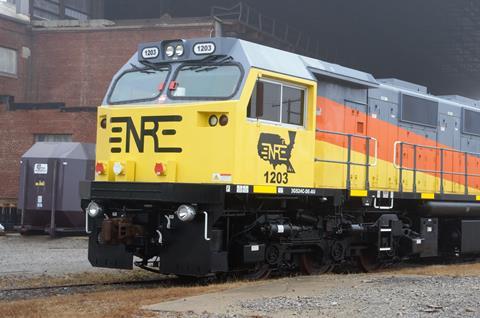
x=453, y=209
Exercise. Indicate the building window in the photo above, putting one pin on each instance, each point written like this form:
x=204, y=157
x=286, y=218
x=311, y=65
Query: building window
x=8, y=61
x=62, y=9
x=277, y=102
x=53, y=137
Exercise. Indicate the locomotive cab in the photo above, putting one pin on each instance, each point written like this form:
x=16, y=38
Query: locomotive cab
x=183, y=119
x=189, y=120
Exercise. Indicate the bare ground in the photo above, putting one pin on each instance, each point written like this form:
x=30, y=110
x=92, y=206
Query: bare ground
x=127, y=301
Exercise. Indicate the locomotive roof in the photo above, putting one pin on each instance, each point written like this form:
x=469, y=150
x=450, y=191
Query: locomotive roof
x=263, y=57
x=260, y=56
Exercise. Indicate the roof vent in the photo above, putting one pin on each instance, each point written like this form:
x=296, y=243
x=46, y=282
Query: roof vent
x=405, y=85
x=462, y=100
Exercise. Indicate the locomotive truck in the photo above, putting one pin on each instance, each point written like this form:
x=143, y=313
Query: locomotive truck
x=220, y=156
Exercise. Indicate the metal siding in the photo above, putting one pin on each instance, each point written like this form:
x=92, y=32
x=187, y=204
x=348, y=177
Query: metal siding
x=340, y=93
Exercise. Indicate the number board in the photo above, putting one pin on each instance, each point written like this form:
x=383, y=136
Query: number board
x=150, y=52
x=204, y=48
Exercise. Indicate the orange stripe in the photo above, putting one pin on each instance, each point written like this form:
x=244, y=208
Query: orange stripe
x=337, y=117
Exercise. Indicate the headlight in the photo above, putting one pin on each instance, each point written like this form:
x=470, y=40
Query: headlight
x=117, y=168
x=169, y=51
x=223, y=120
x=179, y=50
x=213, y=121
x=93, y=209
x=186, y=213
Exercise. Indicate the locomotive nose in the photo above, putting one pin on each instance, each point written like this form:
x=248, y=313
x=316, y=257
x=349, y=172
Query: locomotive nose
x=188, y=143
x=139, y=147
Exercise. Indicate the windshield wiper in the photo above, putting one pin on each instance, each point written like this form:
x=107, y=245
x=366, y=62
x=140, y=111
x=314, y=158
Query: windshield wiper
x=141, y=70
x=209, y=66
x=149, y=68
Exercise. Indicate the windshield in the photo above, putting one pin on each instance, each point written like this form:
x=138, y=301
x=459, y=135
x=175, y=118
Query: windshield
x=138, y=85
x=196, y=81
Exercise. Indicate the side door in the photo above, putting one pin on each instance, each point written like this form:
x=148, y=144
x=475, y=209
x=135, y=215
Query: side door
x=383, y=126
x=446, y=139
x=356, y=121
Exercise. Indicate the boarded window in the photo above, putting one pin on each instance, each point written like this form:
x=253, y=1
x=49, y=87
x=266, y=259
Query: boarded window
x=471, y=122
x=8, y=61
x=419, y=111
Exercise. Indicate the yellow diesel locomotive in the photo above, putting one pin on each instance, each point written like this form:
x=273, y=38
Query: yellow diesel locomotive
x=219, y=155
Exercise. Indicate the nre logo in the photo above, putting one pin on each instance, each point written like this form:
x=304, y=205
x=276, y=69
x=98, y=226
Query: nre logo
x=275, y=150
x=149, y=126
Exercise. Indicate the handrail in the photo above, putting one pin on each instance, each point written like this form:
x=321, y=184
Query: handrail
x=349, y=162
x=442, y=172
x=351, y=136
x=396, y=143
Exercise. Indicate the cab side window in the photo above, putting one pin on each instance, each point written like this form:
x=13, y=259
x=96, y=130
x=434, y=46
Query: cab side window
x=277, y=102
x=293, y=104
x=265, y=101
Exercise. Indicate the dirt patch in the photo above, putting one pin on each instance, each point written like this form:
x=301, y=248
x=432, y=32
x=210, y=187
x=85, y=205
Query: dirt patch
x=462, y=269
x=20, y=281
x=114, y=303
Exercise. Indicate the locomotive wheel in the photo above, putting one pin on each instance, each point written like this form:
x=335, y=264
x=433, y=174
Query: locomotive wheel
x=312, y=264
x=259, y=271
x=368, y=260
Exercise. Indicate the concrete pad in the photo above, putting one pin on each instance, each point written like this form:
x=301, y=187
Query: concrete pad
x=376, y=295
x=236, y=301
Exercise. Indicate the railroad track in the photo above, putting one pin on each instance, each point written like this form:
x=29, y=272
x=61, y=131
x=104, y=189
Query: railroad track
x=9, y=294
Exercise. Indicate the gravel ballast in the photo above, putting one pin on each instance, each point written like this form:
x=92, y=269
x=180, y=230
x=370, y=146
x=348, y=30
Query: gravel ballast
x=388, y=294
x=355, y=295
x=37, y=255
x=414, y=296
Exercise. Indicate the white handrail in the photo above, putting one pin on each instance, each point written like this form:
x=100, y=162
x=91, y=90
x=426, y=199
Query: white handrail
x=395, y=154
x=205, y=232
x=375, y=141
x=86, y=224
x=375, y=156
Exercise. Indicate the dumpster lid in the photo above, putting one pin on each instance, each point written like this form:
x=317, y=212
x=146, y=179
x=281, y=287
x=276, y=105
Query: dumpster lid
x=61, y=150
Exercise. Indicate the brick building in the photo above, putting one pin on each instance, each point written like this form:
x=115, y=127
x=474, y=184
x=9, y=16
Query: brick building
x=58, y=75
x=57, y=56
x=56, y=72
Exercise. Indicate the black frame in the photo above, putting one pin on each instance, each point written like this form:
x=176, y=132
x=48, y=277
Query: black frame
x=175, y=74
x=137, y=100
x=282, y=84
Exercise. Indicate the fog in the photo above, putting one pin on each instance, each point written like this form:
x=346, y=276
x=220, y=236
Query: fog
x=435, y=43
